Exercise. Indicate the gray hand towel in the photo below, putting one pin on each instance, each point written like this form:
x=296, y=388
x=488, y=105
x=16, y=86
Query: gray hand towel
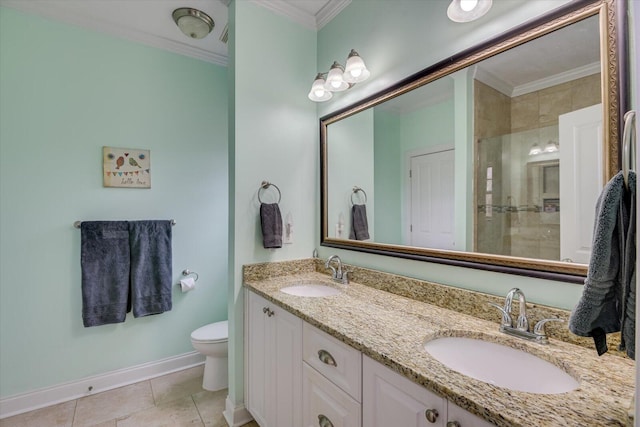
x=104, y=259
x=359, y=225
x=628, y=307
x=271, y=222
x=602, y=306
x=151, y=267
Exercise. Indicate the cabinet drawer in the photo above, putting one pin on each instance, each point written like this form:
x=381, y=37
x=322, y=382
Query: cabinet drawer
x=324, y=404
x=390, y=399
x=341, y=364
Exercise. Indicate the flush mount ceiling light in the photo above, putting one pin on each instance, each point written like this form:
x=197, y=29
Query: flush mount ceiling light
x=535, y=150
x=339, y=78
x=193, y=22
x=467, y=10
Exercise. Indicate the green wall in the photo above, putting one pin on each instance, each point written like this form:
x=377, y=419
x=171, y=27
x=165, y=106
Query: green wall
x=65, y=93
x=397, y=39
x=274, y=138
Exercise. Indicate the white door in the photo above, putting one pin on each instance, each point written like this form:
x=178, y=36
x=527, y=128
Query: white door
x=581, y=180
x=432, y=200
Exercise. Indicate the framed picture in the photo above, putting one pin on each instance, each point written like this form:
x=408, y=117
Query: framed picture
x=126, y=167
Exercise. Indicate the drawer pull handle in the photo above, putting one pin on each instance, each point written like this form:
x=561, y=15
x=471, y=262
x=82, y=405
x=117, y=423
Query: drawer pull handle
x=326, y=357
x=268, y=311
x=432, y=415
x=323, y=421
x=453, y=424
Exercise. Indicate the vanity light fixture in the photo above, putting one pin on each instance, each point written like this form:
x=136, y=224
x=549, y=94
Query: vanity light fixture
x=193, y=22
x=535, y=150
x=467, y=10
x=551, y=147
x=339, y=78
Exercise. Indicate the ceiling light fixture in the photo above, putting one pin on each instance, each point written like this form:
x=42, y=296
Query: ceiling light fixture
x=339, y=78
x=193, y=22
x=467, y=10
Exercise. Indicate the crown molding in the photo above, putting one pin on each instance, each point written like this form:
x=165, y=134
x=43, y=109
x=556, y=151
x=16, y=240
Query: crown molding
x=68, y=16
x=557, y=79
x=503, y=87
x=313, y=22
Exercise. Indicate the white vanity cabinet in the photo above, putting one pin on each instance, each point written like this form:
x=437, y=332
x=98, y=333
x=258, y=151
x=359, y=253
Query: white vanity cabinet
x=389, y=399
x=274, y=363
x=332, y=381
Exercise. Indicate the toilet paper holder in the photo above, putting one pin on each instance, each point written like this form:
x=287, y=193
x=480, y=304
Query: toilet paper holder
x=187, y=272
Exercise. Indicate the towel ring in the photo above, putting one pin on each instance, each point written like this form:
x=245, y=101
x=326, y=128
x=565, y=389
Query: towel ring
x=264, y=186
x=357, y=189
x=187, y=272
x=628, y=145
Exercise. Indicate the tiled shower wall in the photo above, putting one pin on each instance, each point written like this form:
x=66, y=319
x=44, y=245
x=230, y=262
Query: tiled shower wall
x=505, y=130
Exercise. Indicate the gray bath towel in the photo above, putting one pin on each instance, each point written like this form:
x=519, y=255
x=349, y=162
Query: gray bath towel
x=607, y=303
x=104, y=259
x=151, y=267
x=359, y=225
x=271, y=223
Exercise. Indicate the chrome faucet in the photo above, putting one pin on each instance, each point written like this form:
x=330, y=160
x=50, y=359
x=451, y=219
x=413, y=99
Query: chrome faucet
x=521, y=330
x=338, y=275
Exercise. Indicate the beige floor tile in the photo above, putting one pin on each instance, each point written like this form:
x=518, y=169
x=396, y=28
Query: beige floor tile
x=53, y=416
x=179, y=413
x=210, y=404
x=110, y=423
x=112, y=404
x=177, y=385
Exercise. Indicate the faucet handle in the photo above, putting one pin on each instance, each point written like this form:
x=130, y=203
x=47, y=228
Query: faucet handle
x=345, y=277
x=539, y=331
x=506, y=317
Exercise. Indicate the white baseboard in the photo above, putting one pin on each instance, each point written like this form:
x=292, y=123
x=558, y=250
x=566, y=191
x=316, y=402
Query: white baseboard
x=236, y=416
x=48, y=396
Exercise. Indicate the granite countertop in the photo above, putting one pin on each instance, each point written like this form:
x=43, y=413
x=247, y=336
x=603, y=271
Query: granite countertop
x=393, y=329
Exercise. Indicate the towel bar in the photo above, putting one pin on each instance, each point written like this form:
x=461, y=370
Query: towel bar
x=357, y=189
x=628, y=145
x=76, y=224
x=264, y=186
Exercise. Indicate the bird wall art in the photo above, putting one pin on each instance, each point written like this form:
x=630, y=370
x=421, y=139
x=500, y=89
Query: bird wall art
x=126, y=167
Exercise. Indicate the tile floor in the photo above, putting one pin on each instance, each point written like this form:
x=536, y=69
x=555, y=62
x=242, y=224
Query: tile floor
x=173, y=400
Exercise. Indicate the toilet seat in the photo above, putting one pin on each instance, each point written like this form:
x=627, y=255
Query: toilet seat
x=212, y=333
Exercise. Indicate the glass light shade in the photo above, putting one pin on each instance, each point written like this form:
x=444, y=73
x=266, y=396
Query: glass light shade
x=467, y=10
x=318, y=93
x=551, y=147
x=535, y=149
x=192, y=22
x=355, y=71
x=335, y=81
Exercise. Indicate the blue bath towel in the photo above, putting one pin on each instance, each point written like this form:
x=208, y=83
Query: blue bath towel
x=151, y=267
x=608, y=298
x=104, y=260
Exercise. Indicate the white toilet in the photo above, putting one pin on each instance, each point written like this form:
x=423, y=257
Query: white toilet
x=211, y=341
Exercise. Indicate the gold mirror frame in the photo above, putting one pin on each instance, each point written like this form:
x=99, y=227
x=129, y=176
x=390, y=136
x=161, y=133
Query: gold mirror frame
x=611, y=13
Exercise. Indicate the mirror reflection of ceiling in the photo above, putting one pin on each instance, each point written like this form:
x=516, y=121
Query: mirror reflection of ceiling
x=563, y=55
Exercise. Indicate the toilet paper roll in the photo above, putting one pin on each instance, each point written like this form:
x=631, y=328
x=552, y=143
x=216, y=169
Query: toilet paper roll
x=187, y=284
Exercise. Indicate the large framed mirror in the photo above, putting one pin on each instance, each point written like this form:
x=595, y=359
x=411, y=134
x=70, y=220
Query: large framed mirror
x=492, y=159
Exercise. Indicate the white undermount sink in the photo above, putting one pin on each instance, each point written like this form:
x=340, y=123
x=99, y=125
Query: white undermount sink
x=311, y=290
x=500, y=365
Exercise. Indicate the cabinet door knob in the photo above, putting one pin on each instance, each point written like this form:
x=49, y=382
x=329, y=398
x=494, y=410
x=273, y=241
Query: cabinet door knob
x=323, y=421
x=432, y=415
x=453, y=424
x=326, y=357
x=265, y=309
x=270, y=312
